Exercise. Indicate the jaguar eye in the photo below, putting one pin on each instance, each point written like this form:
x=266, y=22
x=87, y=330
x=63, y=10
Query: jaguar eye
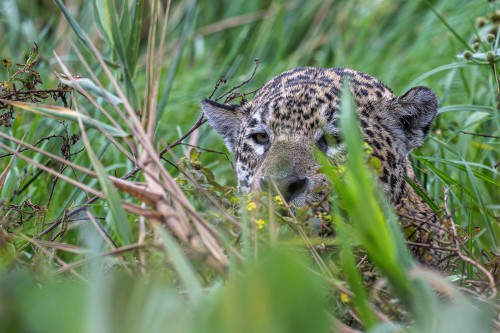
x=261, y=138
x=327, y=141
x=322, y=144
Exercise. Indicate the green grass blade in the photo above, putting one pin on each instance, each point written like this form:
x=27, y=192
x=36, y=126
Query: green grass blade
x=466, y=108
x=103, y=19
x=61, y=113
x=477, y=194
x=135, y=36
x=74, y=25
x=186, y=29
x=465, y=166
x=9, y=11
x=374, y=223
x=119, y=47
x=435, y=71
x=360, y=298
x=182, y=264
x=119, y=221
x=453, y=31
x=446, y=179
x=422, y=194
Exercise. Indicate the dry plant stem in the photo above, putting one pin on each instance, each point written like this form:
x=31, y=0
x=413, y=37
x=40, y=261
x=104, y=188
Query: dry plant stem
x=101, y=232
x=129, y=207
x=209, y=197
x=91, y=99
x=108, y=240
x=430, y=246
x=171, y=215
x=455, y=237
x=53, y=186
x=310, y=246
x=151, y=99
x=117, y=251
x=98, y=83
x=208, y=151
x=142, y=241
x=198, y=123
x=490, y=278
x=130, y=174
x=48, y=254
x=134, y=189
x=3, y=176
x=63, y=247
x=235, y=21
x=83, y=207
x=36, y=144
x=482, y=135
x=179, y=225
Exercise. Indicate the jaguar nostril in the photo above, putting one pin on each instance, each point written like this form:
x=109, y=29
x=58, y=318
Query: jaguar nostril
x=290, y=187
x=296, y=188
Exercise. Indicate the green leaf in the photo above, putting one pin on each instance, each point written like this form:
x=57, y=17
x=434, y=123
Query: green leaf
x=7, y=63
x=349, y=268
x=194, y=155
x=89, y=86
x=32, y=56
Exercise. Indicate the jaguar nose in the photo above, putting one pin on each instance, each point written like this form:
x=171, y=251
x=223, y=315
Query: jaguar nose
x=290, y=187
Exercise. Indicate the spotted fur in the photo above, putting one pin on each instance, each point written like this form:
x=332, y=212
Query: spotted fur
x=299, y=110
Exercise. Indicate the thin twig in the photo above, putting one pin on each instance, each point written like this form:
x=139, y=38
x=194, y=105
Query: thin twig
x=117, y=251
x=482, y=135
x=198, y=123
x=463, y=257
x=256, y=60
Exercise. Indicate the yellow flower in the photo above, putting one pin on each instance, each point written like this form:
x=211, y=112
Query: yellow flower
x=278, y=200
x=260, y=223
x=251, y=206
x=344, y=298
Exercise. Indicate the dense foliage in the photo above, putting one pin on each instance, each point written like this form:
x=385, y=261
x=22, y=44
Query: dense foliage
x=118, y=210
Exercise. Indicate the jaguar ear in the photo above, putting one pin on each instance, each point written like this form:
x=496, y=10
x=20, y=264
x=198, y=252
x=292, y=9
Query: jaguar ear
x=416, y=111
x=225, y=119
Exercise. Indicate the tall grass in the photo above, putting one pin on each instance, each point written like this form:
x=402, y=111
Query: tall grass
x=100, y=232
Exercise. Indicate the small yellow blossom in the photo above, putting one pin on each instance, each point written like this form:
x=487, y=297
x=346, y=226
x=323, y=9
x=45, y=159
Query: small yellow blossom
x=260, y=223
x=278, y=200
x=251, y=206
x=344, y=298
x=367, y=148
x=376, y=164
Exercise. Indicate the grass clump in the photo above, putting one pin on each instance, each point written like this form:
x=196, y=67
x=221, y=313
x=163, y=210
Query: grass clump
x=118, y=207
